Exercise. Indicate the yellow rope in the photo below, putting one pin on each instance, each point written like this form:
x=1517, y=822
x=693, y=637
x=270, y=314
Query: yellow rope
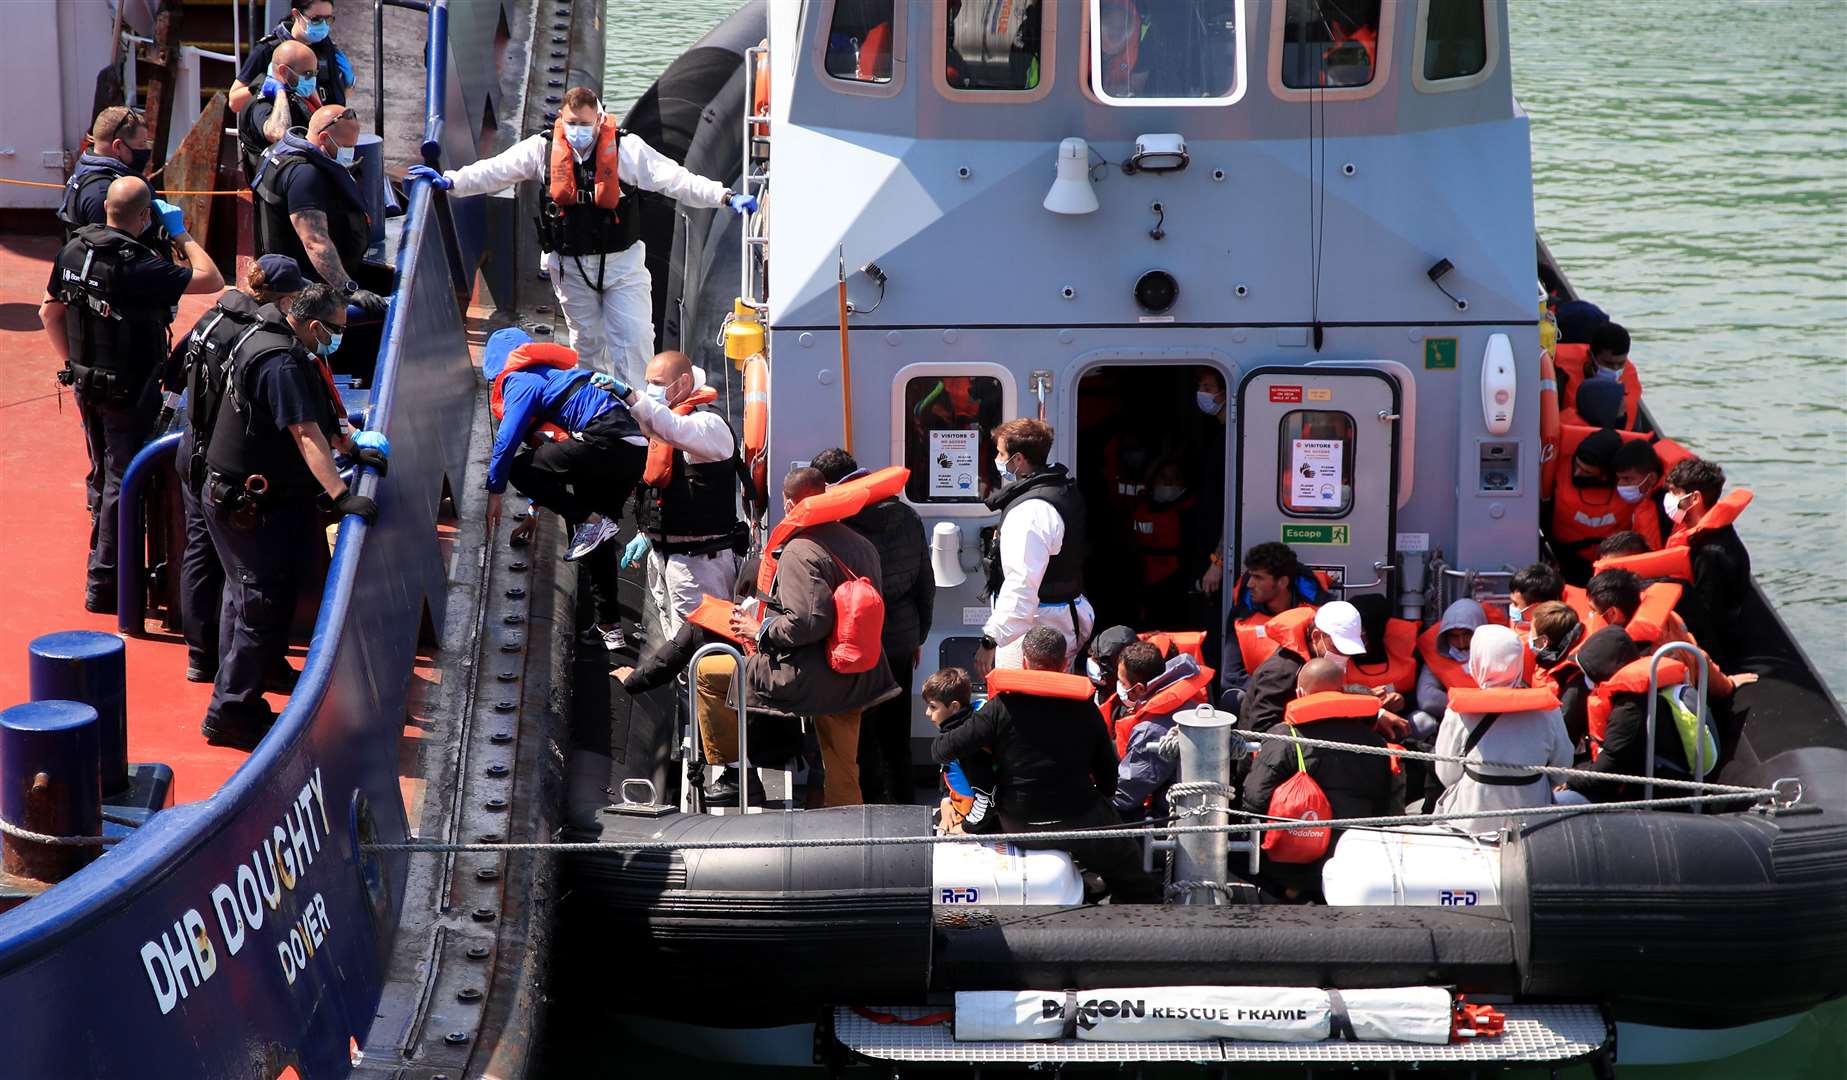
x=164, y=194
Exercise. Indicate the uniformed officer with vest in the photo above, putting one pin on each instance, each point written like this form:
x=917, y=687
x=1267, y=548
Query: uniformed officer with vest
x=310, y=209
x=106, y=309
x=589, y=223
x=1035, y=558
x=270, y=454
x=688, y=516
x=310, y=23
x=289, y=96
x=202, y=364
x=120, y=145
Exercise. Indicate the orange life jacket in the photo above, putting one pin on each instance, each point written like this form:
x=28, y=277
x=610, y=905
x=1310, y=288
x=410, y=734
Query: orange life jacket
x=1723, y=513
x=1330, y=705
x=1570, y=434
x=1172, y=698
x=1667, y=564
x=1578, y=601
x=1156, y=531
x=1050, y=684
x=1122, y=491
x=1503, y=699
x=837, y=503
x=659, y=469
x=1651, y=616
x=1631, y=679
x=1190, y=642
x=606, y=156
x=875, y=55
x=1452, y=673
x=1260, y=634
x=1400, y=668
x=1583, y=517
x=533, y=354
x=1575, y=359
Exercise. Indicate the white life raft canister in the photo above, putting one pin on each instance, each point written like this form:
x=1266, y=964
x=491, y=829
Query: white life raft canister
x=1003, y=874
x=1416, y=1014
x=1423, y=866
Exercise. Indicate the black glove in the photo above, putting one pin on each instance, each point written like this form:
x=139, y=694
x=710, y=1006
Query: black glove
x=367, y=301
x=350, y=503
x=373, y=456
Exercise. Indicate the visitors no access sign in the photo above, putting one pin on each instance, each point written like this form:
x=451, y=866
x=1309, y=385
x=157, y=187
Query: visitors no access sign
x=1317, y=534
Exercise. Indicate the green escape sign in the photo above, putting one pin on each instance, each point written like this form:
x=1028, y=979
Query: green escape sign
x=1316, y=534
x=1440, y=354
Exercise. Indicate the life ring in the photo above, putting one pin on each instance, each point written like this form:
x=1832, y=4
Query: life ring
x=1548, y=423
x=760, y=84
x=757, y=425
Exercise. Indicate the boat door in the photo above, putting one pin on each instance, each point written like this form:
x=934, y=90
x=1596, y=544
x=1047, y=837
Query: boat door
x=1318, y=469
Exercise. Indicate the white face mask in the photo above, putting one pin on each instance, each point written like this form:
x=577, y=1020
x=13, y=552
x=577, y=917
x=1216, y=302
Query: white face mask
x=1122, y=693
x=1166, y=493
x=1629, y=493
x=1677, y=508
x=1093, y=669
x=656, y=393
x=1208, y=402
x=580, y=136
x=1608, y=374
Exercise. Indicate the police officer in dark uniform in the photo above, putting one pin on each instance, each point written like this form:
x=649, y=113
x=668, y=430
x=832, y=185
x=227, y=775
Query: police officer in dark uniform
x=106, y=309
x=310, y=23
x=311, y=210
x=288, y=99
x=120, y=145
x=200, y=367
x=269, y=456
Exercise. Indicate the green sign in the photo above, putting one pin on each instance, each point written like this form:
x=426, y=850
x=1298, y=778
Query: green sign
x=1440, y=354
x=1316, y=534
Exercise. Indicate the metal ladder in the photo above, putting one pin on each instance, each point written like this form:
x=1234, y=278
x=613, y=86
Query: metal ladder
x=1699, y=762
x=754, y=254
x=692, y=742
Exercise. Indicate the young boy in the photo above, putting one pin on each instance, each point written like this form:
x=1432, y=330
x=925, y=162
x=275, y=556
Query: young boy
x=968, y=784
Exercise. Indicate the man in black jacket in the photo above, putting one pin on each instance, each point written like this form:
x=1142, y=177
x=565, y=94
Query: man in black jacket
x=909, y=589
x=1721, y=565
x=1055, y=764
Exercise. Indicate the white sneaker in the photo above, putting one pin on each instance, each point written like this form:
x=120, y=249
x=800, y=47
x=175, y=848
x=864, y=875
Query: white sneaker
x=589, y=536
x=613, y=638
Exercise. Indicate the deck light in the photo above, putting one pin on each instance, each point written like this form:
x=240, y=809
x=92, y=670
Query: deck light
x=1071, y=192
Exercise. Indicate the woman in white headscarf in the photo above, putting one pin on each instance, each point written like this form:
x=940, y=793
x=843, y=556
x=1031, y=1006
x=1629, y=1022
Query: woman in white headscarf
x=1529, y=737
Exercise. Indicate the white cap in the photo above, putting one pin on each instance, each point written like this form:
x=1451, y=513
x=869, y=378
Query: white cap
x=1340, y=621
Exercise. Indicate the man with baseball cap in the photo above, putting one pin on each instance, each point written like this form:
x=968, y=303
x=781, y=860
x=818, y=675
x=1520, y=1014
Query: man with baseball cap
x=1334, y=633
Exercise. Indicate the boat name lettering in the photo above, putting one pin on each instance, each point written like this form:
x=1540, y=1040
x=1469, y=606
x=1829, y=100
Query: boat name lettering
x=187, y=953
x=968, y=894
x=1458, y=898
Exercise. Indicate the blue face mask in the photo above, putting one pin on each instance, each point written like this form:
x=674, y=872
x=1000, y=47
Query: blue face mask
x=580, y=136
x=333, y=343
x=317, y=31
x=1007, y=476
x=305, y=86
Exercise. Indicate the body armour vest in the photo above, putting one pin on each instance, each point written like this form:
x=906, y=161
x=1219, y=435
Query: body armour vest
x=586, y=228
x=117, y=341
x=1064, y=573
x=696, y=501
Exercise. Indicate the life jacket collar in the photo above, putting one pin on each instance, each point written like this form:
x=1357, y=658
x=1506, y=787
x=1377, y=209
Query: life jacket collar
x=1048, y=684
x=1330, y=705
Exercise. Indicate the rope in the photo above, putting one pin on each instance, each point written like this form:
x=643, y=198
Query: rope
x=1060, y=834
x=20, y=833
x=1203, y=788
x=164, y=194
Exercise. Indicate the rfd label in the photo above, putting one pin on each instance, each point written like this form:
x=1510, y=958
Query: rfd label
x=967, y=894
x=1458, y=898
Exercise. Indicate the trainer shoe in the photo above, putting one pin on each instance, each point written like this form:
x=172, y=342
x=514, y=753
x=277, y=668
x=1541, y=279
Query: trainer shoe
x=589, y=536
x=613, y=638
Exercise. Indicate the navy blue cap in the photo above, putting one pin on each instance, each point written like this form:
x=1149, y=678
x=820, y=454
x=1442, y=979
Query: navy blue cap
x=281, y=274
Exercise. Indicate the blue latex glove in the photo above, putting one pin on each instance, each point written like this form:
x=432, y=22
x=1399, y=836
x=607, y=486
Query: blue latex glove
x=171, y=216
x=346, y=67
x=373, y=440
x=742, y=204
x=435, y=178
x=636, y=550
x=372, y=448
x=612, y=384
x=271, y=84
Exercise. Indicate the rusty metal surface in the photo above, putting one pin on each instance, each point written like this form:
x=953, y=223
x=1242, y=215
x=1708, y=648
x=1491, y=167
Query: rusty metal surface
x=194, y=167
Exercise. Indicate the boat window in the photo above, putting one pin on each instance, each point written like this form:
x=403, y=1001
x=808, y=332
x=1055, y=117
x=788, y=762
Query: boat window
x=1316, y=463
x=1455, y=38
x=947, y=443
x=993, y=45
x=1329, y=43
x=859, y=41
x=1166, y=52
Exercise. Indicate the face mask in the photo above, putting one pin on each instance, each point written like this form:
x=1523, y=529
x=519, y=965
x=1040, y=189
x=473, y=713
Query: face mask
x=305, y=86
x=1166, y=493
x=343, y=154
x=332, y=346
x=1458, y=655
x=318, y=29
x=1629, y=493
x=1608, y=374
x=1007, y=476
x=656, y=393
x=1590, y=683
x=1677, y=509
x=1516, y=614
x=580, y=136
x=1093, y=669
x=1208, y=402
x=138, y=159
x=1122, y=693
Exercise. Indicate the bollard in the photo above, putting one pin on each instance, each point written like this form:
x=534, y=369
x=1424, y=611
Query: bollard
x=1205, y=755
x=87, y=666
x=49, y=784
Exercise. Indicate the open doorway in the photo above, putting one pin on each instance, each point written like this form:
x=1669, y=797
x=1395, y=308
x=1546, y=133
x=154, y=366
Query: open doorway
x=1151, y=462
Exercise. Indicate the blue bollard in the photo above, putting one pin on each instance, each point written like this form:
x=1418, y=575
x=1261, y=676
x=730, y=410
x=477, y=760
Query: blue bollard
x=49, y=784
x=91, y=667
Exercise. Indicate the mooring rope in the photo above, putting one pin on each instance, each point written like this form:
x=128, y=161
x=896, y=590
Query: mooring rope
x=19, y=832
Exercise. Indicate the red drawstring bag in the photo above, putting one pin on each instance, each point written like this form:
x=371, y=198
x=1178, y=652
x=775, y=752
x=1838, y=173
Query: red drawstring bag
x=853, y=644
x=1301, y=799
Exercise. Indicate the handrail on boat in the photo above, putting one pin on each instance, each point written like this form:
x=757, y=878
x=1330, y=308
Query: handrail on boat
x=1698, y=661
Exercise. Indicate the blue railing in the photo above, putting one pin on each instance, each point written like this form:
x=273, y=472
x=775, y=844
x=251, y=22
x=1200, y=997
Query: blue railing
x=245, y=933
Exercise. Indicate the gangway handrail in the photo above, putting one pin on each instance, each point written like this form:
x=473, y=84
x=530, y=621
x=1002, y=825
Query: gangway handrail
x=753, y=183
x=694, y=747
x=1654, y=703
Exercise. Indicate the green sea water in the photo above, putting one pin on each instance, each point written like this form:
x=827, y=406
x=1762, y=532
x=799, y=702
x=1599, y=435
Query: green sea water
x=1690, y=171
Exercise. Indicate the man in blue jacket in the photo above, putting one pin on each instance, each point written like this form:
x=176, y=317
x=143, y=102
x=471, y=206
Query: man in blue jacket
x=588, y=473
